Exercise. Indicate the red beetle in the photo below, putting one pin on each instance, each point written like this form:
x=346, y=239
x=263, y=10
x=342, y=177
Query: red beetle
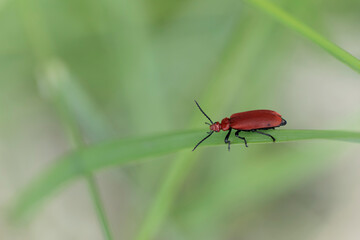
x=250, y=121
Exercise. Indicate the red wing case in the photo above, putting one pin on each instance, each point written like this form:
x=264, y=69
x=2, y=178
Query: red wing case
x=256, y=119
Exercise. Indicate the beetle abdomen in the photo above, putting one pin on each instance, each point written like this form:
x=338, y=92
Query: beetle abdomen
x=256, y=119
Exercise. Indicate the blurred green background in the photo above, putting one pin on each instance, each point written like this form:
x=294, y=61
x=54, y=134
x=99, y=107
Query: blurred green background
x=118, y=69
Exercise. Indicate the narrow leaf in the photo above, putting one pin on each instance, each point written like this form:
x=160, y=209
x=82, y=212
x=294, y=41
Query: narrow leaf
x=117, y=152
x=295, y=24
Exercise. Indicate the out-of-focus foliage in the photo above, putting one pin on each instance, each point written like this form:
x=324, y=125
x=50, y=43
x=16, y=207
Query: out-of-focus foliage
x=126, y=69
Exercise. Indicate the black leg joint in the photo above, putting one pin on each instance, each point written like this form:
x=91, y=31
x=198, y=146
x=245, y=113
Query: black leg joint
x=266, y=134
x=226, y=140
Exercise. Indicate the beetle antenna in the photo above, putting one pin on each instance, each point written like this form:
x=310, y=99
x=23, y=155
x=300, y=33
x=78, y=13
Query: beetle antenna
x=207, y=123
x=203, y=139
x=203, y=113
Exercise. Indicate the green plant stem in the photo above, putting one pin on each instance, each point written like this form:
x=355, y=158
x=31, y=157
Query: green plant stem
x=76, y=136
x=295, y=24
x=44, y=51
x=118, y=152
x=98, y=206
x=166, y=195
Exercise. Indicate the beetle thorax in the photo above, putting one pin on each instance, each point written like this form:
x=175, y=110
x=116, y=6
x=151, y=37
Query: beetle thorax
x=225, y=124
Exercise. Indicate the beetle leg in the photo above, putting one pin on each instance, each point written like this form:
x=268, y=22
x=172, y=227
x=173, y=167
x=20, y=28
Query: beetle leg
x=266, y=134
x=226, y=140
x=237, y=135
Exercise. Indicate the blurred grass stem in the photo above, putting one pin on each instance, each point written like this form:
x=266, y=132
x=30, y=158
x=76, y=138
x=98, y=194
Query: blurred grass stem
x=300, y=27
x=44, y=51
x=56, y=77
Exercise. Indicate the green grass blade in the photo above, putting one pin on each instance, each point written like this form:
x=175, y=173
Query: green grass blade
x=295, y=24
x=118, y=152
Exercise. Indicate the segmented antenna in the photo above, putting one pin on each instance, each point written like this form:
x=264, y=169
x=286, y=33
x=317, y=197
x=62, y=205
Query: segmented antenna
x=203, y=138
x=203, y=113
